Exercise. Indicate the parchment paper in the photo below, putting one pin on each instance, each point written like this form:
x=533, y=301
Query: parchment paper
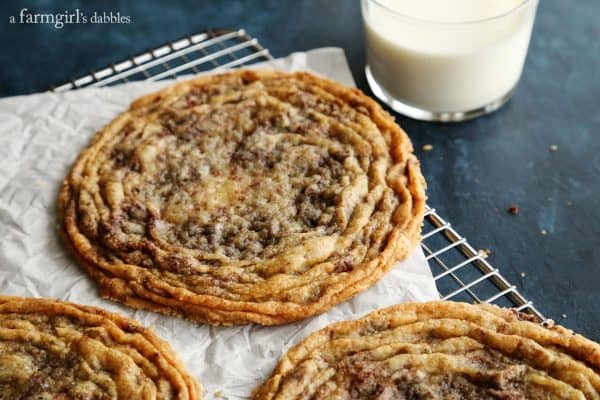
x=40, y=136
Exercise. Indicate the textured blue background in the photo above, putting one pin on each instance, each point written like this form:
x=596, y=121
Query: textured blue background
x=476, y=169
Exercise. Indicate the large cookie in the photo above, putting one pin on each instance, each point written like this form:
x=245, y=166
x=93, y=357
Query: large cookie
x=244, y=197
x=56, y=350
x=438, y=350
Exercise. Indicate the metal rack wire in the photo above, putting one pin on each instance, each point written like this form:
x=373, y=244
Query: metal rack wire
x=461, y=272
x=209, y=50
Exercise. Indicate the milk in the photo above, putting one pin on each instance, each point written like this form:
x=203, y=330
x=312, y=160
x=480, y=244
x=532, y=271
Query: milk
x=447, y=55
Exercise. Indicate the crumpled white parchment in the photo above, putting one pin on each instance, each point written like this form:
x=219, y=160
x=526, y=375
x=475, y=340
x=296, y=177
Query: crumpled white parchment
x=40, y=136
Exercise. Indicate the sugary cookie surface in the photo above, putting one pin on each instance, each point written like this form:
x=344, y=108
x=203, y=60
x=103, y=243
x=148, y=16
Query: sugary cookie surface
x=56, y=350
x=438, y=350
x=245, y=197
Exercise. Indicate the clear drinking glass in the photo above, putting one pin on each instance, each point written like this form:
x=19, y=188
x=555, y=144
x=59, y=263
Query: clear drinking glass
x=446, y=65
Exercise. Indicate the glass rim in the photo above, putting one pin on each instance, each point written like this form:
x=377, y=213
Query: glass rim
x=451, y=23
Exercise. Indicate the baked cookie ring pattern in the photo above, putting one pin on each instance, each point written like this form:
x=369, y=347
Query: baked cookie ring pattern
x=56, y=350
x=438, y=350
x=250, y=196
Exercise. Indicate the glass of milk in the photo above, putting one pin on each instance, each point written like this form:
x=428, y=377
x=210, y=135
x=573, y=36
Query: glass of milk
x=446, y=60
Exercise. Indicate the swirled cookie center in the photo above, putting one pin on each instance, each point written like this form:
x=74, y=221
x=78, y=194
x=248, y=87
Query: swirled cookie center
x=499, y=378
x=240, y=180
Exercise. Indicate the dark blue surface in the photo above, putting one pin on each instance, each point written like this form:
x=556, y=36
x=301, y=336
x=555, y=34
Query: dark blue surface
x=476, y=169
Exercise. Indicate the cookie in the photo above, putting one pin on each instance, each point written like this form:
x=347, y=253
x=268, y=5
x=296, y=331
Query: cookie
x=56, y=350
x=247, y=197
x=438, y=350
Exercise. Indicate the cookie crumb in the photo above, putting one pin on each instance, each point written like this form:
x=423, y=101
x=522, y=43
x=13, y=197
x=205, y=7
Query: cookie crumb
x=553, y=147
x=522, y=274
x=484, y=253
x=513, y=210
x=549, y=323
x=427, y=147
x=544, y=232
x=218, y=394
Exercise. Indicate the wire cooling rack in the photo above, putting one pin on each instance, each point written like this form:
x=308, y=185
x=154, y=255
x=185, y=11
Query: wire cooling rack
x=461, y=272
